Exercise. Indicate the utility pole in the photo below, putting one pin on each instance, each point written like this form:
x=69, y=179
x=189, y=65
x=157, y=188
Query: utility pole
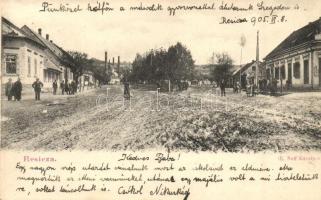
x=257, y=58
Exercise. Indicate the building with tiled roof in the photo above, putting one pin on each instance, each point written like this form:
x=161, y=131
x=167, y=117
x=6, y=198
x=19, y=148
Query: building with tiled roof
x=296, y=61
x=58, y=61
x=22, y=56
x=28, y=55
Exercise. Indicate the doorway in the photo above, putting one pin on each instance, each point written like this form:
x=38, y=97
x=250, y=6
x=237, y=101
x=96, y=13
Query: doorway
x=290, y=72
x=306, y=72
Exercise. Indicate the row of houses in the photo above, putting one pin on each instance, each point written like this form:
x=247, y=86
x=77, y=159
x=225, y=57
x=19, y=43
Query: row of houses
x=296, y=61
x=28, y=54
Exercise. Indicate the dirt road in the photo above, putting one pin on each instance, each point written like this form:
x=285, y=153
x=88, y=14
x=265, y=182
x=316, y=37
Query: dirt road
x=192, y=120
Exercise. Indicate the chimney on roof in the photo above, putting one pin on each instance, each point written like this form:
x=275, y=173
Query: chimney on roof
x=47, y=36
x=39, y=31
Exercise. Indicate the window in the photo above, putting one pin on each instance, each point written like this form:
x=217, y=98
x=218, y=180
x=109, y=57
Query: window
x=11, y=64
x=36, y=67
x=277, y=73
x=29, y=66
x=296, y=70
x=306, y=76
x=283, y=72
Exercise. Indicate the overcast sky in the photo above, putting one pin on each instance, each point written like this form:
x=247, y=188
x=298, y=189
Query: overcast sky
x=128, y=33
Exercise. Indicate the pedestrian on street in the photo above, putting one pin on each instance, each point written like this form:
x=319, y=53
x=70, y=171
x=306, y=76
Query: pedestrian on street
x=37, y=85
x=17, y=89
x=8, y=91
x=67, y=87
x=222, y=86
x=62, y=87
x=73, y=87
x=54, y=87
x=126, y=90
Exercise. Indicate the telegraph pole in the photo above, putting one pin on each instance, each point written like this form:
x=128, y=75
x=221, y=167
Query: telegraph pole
x=257, y=58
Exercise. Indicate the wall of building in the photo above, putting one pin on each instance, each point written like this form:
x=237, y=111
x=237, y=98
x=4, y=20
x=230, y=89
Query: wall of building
x=299, y=57
x=23, y=50
x=316, y=67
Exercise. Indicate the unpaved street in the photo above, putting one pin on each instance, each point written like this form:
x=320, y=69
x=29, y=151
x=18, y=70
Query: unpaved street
x=195, y=119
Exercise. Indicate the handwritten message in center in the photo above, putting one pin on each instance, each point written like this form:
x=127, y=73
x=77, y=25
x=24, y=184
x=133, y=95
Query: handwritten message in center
x=158, y=175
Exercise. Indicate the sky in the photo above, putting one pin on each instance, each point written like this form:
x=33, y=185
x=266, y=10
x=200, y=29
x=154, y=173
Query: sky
x=127, y=33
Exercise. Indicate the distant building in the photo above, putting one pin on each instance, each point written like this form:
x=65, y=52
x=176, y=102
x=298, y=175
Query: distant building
x=87, y=79
x=297, y=59
x=248, y=72
x=22, y=56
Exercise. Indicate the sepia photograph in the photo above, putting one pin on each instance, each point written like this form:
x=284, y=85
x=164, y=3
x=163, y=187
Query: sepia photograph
x=235, y=76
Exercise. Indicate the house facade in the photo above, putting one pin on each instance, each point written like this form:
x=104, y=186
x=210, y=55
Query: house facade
x=22, y=56
x=296, y=61
x=58, y=63
x=28, y=55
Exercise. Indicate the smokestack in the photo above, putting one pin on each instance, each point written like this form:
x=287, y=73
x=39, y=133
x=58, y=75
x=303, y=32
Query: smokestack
x=47, y=36
x=118, y=65
x=113, y=60
x=39, y=31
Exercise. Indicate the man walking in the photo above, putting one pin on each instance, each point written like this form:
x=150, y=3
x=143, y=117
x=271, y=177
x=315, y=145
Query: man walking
x=62, y=87
x=37, y=85
x=16, y=90
x=222, y=86
x=9, y=92
x=54, y=87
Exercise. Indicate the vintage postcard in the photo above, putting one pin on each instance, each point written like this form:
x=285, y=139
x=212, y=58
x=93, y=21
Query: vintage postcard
x=160, y=99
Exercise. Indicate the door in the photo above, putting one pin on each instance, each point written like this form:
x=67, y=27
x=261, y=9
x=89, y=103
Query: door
x=306, y=72
x=290, y=72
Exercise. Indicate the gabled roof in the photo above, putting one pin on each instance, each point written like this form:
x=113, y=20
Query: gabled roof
x=59, y=53
x=13, y=31
x=245, y=67
x=298, y=37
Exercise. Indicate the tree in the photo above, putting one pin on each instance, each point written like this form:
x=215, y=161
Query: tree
x=80, y=61
x=99, y=71
x=158, y=65
x=221, y=71
x=180, y=64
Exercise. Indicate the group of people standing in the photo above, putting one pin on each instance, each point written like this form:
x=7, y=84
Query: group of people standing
x=68, y=88
x=13, y=90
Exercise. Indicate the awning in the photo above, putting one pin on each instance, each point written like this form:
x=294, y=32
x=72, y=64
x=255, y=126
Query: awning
x=52, y=66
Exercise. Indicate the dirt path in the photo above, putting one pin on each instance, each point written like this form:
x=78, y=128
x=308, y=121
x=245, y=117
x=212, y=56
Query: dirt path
x=238, y=124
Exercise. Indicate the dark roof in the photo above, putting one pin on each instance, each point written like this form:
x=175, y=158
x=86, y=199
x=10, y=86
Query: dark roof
x=19, y=33
x=300, y=36
x=62, y=55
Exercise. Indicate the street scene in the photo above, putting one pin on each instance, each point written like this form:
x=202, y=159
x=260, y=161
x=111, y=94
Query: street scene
x=57, y=98
x=241, y=124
